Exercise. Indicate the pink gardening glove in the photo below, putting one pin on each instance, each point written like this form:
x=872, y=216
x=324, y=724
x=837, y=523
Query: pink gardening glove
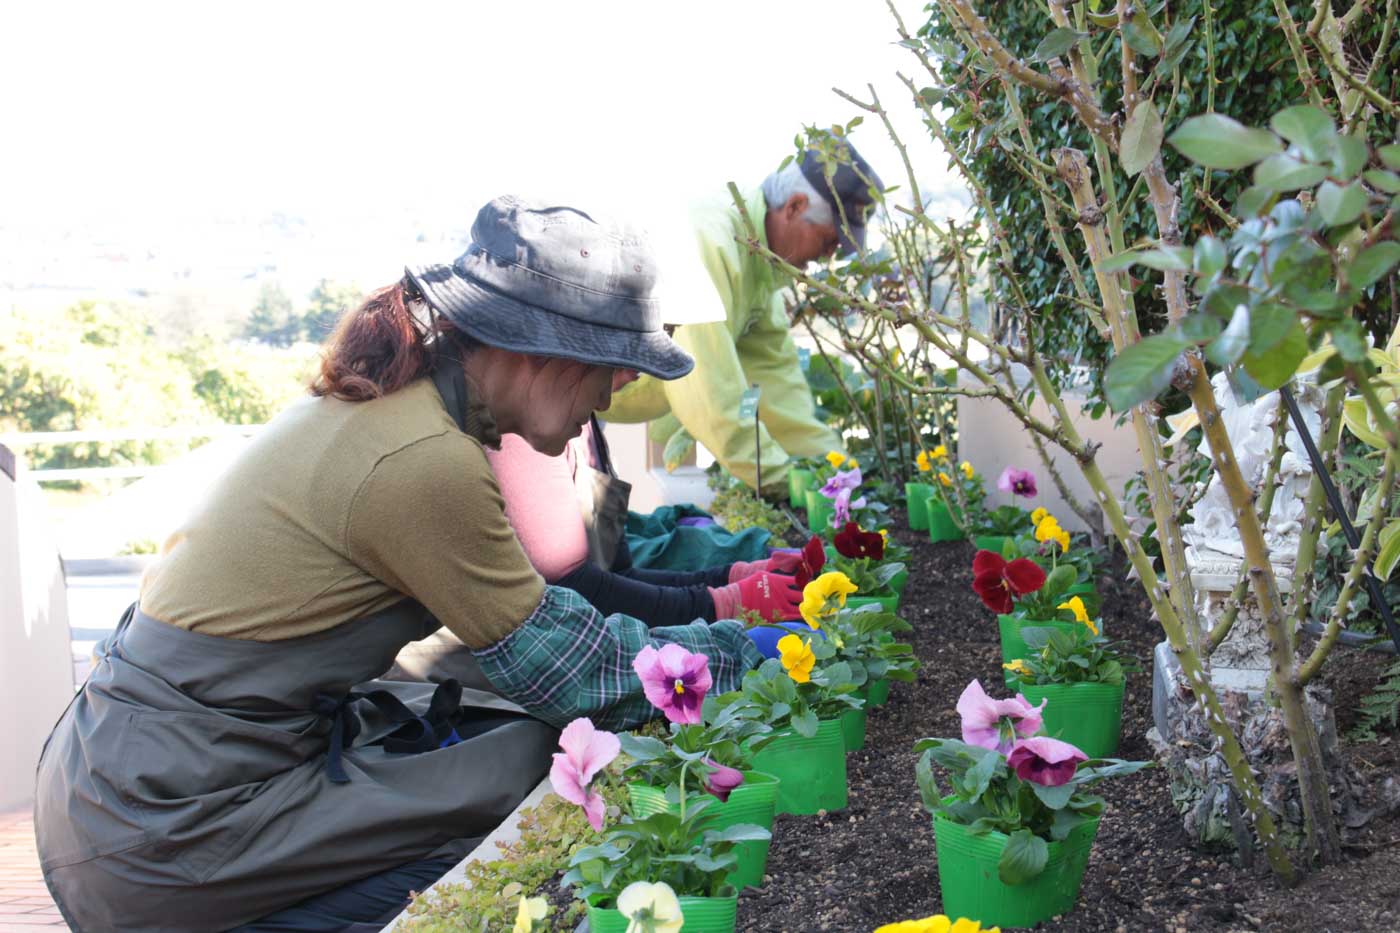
x=780, y=562
x=773, y=596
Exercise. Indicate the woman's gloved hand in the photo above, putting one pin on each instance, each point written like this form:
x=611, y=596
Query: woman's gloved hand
x=785, y=560
x=779, y=562
x=766, y=637
x=773, y=596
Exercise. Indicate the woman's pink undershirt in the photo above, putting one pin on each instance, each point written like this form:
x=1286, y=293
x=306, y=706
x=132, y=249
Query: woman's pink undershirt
x=541, y=504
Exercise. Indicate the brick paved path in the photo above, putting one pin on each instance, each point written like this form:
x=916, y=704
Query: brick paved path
x=25, y=905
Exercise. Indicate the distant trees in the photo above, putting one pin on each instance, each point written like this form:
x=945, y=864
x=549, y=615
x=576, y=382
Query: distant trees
x=103, y=366
x=275, y=322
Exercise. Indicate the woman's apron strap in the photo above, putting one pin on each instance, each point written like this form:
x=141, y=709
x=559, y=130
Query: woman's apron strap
x=433, y=730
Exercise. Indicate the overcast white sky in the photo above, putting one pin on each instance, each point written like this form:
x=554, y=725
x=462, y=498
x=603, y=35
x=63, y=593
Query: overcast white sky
x=197, y=108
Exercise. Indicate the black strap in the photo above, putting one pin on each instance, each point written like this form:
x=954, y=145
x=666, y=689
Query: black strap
x=415, y=734
x=451, y=382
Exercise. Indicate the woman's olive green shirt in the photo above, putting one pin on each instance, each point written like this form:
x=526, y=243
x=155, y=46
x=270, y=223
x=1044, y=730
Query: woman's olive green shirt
x=338, y=509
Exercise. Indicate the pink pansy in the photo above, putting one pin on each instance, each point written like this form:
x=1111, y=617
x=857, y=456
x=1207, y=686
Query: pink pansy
x=674, y=680
x=722, y=779
x=1045, y=761
x=1018, y=482
x=996, y=723
x=586, y=751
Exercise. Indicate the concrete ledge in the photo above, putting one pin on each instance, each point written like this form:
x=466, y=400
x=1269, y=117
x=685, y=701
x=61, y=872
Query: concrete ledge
x=107, y=566
x=490, y=848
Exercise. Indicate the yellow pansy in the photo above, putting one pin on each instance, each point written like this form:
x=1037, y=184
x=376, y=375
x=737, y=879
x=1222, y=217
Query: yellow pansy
x=884, y=536
x=1039, y=515
x=1048, y=529
x=967, y=469
x=1017, y=667
x=853, y=463
x=651, y=908
x=797, y=657
x=939, y=453
x=1081, y=614
x=937, y=924
x=530, y=910
x=836, y=458
x=945, y=479
x=818, y=596
x=923, y=461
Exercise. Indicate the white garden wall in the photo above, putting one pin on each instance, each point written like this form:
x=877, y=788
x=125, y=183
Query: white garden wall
x=991, y=438
x=36, y=663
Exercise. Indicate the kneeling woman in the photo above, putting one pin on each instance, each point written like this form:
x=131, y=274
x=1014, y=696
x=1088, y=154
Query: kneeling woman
x=223, y=765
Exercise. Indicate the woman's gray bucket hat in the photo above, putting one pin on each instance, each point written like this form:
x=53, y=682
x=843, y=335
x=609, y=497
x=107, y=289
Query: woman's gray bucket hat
x=551, y=280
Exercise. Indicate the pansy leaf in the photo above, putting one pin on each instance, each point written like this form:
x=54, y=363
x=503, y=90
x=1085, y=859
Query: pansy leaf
x=980, y=775
x=929, y=791
x=641, y=747
x=1056, y=798
x=1023, y=858
x=804, y=723
x=1216, y=141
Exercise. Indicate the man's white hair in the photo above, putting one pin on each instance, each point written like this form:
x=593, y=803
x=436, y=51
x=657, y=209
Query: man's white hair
x=780, y=186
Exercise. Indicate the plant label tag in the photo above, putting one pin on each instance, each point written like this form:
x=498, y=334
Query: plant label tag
x=748, y=402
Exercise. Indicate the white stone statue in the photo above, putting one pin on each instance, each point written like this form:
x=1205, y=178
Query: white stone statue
x=1213, y=534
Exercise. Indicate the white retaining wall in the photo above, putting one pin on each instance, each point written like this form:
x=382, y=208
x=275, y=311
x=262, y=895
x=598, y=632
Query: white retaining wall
x=36, y=664
x=991, y=438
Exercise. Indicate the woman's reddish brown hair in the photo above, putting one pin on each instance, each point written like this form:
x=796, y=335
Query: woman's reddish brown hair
x=378, y=348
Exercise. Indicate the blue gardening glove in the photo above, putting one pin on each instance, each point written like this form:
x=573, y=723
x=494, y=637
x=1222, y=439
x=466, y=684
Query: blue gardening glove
x=765, y=637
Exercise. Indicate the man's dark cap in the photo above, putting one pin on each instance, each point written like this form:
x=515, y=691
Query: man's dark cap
x=848, y=192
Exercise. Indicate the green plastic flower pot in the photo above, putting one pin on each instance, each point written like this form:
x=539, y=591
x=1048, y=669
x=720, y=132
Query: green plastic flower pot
x=941, y=526
x=967, y=876
x=876, y=692
x=799, y=481
x=819, y=510
x=1088, y=716
x=1013, y=646
x=702, y=915
x=993, y=543
x=811, y=772
x=889, y=603
x=898, y=582
x=916, y=502
x=853, y=729
x=754, y=801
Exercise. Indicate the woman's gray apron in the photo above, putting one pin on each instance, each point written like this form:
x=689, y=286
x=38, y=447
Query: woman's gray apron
x=190, y=785
x=602, y=499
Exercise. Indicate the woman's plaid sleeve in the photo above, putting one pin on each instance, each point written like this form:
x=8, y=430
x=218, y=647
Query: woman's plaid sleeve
x=567, y=660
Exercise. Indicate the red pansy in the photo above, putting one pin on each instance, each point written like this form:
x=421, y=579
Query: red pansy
x=852, y=542
x=813, y=560
x=997, y=581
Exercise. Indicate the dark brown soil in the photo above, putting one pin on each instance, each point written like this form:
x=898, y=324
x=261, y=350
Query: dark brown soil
x=875, y=861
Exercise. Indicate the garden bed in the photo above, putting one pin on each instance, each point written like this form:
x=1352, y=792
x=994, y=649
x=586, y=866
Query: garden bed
x=875, y=862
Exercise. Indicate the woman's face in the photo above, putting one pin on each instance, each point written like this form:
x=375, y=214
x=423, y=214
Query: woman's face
x=557, y=396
